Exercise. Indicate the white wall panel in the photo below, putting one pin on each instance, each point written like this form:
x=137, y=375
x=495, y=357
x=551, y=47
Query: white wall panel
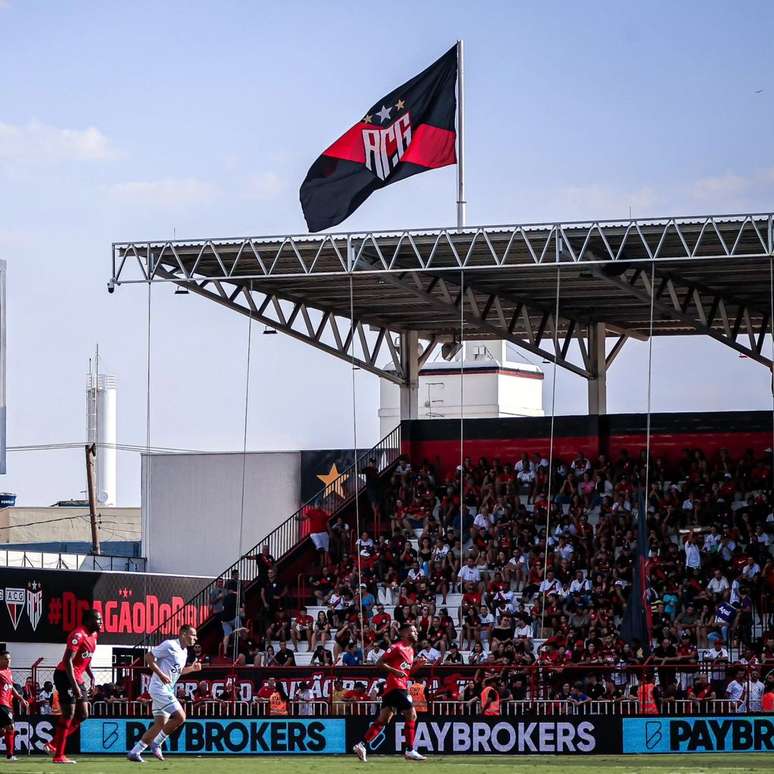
x=191, y=506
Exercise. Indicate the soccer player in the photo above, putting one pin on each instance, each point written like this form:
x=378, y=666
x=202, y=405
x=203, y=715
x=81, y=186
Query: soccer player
x=68, y=679
x=397, y=662
x=168, y=663
x=7, y=694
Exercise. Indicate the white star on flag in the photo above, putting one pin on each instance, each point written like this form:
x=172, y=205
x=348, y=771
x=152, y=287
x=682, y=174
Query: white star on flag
x=384, y=114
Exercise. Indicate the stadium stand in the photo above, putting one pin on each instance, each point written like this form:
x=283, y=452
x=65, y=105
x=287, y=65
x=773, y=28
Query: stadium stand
x=502, y=597
x=492, y=593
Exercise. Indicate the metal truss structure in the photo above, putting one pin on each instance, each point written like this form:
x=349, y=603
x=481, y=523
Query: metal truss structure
x=571, y=293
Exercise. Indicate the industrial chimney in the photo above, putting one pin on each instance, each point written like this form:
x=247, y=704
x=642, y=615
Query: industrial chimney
x=102, y=430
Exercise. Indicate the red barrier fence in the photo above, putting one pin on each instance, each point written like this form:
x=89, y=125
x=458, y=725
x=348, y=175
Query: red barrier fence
x=442, y=690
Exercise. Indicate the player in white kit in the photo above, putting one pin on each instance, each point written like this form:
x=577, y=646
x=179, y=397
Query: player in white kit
x=168, y=663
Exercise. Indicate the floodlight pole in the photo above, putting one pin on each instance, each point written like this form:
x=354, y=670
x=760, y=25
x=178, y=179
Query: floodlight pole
x=461, y=203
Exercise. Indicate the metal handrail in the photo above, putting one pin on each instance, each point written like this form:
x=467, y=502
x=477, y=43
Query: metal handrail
x=288, y=535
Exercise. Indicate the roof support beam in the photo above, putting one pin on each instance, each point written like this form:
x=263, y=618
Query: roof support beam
x=299, y=325
x=486, y=314
x=697, y=306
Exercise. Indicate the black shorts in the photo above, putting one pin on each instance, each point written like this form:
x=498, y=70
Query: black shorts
x=65, y=689
x=398, y=700
x=6, y=717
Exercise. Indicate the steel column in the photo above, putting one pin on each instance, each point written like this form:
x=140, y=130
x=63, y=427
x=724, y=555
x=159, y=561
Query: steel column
x=597, y=381
x=409, y=388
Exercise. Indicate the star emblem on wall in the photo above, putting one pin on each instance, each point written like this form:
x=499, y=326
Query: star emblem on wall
x=334, y=481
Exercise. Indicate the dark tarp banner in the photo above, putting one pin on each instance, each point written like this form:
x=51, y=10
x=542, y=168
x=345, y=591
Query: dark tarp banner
x=44, y=605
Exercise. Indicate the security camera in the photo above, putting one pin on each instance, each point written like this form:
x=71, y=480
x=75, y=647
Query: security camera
x=111, y=286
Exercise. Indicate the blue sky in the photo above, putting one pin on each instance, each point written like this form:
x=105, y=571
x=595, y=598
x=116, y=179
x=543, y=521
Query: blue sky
x=131, y=121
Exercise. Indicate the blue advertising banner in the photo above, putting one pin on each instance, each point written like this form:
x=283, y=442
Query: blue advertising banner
x=699, y=734
x=235, y=736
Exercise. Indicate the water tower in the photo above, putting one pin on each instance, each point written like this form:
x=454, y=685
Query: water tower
x=101, y=430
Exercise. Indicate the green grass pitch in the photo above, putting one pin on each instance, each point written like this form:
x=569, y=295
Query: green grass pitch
x=532, y=764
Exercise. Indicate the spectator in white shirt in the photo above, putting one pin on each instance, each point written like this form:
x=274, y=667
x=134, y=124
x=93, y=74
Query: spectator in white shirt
x=483, y=520
x=403, y=468
x=726, y=549
x=580, y=464
x=736, y=592
x=486, y=621
x=692, y=554
x=365, y=545
x=415, y=573
x=718, y=583
x=526, y=475
x=736, y=690
x=523, y=629
x=375, y=654
x=565, y=549
x=579, y=584
x=711, y=541
x=550, y=584
x=755, y=692
x=717, y=655
x=751, y=570
x=539, y=461
x=469, y=573
x=430, y=654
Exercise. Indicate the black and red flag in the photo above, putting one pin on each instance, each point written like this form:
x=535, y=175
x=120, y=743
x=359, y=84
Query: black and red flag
x=637, y=624
x=410, y=130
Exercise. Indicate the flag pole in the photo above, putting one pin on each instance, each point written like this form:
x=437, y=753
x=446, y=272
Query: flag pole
x=461, y=203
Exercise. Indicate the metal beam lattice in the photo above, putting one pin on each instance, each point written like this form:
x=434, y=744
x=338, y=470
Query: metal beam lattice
x=712, y=279
x=332, y=334
x=694, y=238
x=707, y=311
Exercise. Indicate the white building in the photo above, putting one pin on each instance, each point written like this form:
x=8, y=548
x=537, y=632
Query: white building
x=494, y=384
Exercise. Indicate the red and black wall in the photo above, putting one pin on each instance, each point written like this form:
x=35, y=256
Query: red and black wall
x=438, y=440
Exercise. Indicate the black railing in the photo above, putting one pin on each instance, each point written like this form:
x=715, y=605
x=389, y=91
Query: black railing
x=330, y=499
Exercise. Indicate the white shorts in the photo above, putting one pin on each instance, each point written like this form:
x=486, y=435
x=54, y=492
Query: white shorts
x=321, y=540
x=165, y=703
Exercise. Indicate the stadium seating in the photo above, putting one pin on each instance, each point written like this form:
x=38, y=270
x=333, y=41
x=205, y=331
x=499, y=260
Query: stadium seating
x=557, y=597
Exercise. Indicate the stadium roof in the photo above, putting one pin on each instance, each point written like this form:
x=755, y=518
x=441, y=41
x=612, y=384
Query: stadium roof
x=711, y=277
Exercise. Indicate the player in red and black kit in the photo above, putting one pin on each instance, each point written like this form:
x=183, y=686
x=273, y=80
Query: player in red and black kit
x=8, y=693
x=68, y=679
x=398, y=662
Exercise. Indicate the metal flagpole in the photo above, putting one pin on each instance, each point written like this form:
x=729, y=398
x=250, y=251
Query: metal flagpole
x=461, y=203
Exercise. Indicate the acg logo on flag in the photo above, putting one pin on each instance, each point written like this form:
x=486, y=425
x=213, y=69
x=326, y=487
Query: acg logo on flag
x=384, y=148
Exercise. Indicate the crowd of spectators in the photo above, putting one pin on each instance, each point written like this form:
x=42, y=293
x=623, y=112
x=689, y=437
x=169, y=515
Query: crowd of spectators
x=531, y=589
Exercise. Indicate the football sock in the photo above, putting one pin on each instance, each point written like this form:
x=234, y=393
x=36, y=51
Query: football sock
x=411, y=727
x=10, y=735
x=139, y=747
x=372, y=732
x=160, y=738
x=60, y=737
x=75, y=724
